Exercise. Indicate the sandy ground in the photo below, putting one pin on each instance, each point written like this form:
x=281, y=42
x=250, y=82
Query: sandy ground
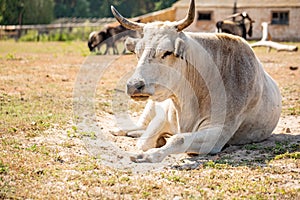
x=79, y=98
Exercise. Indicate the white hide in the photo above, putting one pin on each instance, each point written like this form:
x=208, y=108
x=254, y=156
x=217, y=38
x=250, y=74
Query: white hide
x=212, y=86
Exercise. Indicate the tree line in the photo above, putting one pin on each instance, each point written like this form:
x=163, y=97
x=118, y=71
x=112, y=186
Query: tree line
x=45, y=11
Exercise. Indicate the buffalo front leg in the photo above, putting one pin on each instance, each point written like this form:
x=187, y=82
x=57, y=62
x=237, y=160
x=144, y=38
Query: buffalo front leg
x=138, y=129
x=210, y=140
x=163, y=124
x=154, y=130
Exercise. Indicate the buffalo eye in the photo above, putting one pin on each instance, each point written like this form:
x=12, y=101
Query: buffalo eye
x=167, y=53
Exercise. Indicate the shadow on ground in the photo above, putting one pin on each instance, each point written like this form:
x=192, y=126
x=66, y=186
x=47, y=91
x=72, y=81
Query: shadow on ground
x=278, y=146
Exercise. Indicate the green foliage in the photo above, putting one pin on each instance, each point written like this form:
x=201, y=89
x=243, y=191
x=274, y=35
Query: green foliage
x=164, y=4
x=26, y=12
x=10, y=11
x=101, y=8
x=38, y=11
x=133, y=8
x=44, y=11
x=29, y=37
x=69, y=8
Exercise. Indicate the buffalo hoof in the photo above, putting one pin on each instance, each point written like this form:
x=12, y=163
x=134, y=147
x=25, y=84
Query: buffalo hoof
x=151, y=156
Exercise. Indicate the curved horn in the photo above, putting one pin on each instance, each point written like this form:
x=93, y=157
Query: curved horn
x=182, y=24
x=125, y=22
x=234, y=15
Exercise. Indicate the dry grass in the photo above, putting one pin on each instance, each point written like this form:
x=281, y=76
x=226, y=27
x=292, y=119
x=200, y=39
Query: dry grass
x=42, y=155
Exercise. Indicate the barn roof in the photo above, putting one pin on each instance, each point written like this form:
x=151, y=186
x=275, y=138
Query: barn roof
x=241, y=3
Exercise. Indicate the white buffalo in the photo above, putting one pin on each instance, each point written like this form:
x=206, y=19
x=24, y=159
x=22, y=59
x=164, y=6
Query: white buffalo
x=209, y=90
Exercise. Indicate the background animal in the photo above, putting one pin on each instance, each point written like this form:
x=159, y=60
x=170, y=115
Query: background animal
x=214, y=90
x=109, y=36
x=240, y=27
x=97, y=39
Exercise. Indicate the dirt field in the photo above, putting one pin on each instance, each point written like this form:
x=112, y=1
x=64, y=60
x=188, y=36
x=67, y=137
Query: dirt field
x=44, y=154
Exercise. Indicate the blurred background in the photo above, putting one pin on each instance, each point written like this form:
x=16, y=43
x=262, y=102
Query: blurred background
x=15, y=12
x=86, y=16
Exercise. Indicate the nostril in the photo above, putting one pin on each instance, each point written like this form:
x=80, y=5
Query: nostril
x=135, y=87
x=140, y=85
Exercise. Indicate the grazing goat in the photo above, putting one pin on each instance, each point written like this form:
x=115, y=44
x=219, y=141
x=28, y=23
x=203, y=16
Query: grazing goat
x=109, y=36
x=240, y=27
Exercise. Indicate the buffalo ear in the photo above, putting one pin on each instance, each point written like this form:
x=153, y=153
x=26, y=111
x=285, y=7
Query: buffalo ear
x=130, y=43
x=180, y=48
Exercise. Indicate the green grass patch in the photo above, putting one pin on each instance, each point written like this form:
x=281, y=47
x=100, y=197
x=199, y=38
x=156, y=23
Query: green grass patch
x=30, y=115
x=64, y=35
x=11, y=50
x=74, y=132
x=3, y=167
x=294, y=155
x=219, y=164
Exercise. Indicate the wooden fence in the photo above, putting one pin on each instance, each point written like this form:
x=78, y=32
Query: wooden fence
x=16, y=31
